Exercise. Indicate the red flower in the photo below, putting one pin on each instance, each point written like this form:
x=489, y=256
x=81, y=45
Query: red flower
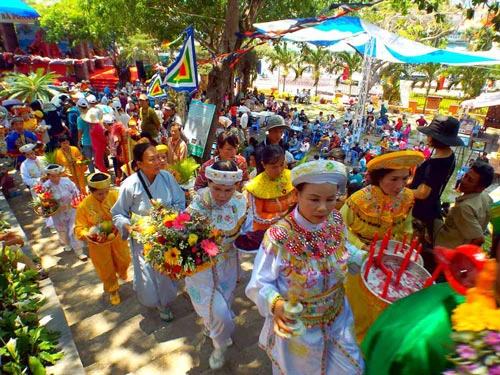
x=180, y=220
x=38, y=189
x=161, y=240
x=209, y=247
x=176, y=269
x=168, y=224
x=193, y=250
x=46, y=195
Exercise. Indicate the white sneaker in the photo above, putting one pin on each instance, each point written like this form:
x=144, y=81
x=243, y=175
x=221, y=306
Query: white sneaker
x=216, y=360
x=81, y=255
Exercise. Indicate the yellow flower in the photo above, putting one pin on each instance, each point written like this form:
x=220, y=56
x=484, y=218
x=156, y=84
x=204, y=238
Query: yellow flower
x=192, y=239
x=147, y=248
x=172, y=256
x=149, y=230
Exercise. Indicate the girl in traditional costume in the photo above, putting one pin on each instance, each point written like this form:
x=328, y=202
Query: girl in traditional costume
x=305, y=257
x=383, y=205
x=227, y=148
x=64, y=190
x=150, y=182
x=270, y=194
x=211, y=291
x=112, y=258
x=72, y=159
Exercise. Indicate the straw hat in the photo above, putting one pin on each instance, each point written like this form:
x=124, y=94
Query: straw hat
x=91, y=116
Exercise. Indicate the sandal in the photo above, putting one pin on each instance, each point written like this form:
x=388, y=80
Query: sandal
x=114, y=298
x=166, y=316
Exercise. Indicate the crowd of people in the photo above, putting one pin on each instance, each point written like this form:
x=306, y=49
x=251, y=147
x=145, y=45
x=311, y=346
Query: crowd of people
x=281, y=188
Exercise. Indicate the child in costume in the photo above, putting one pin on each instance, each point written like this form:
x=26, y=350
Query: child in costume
x=109, y=259
x=71, y=159
x=64, y=190
x=211, y=291
x=306, y=256
x=270, y=193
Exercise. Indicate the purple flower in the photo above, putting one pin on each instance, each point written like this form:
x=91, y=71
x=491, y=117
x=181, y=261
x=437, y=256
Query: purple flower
x=492, y=338
x=466, y=352
x=494, y=370
x=496, y=348
x=450, y=372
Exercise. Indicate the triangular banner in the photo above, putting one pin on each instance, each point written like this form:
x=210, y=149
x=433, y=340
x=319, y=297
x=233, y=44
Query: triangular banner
x=154, y=88
x=182, y=75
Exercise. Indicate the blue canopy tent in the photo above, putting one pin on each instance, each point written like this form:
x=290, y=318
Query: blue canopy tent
x=15, y=11
x=345, y=33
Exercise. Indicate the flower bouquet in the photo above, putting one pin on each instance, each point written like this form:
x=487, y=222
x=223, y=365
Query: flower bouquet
x=177, y=244
x=103, y=233
x=44, y=203
x=476, y=325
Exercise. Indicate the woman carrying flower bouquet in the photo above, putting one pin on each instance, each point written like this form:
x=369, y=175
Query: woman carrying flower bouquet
x=63, y=190
x=136, y=192
x=113, y=257
x=211, y=291
x=305, y=258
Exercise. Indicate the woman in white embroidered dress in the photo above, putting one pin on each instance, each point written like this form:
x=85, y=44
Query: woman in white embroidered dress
x=211, y=291
x=308, y=251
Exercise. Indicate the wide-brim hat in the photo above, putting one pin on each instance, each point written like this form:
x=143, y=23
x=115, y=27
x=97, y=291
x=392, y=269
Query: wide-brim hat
x=319, y=172
x=396, y=160
x=54, y=169
x=27, y=147
x=444, y=129
x=91, y=116
x=276, y=121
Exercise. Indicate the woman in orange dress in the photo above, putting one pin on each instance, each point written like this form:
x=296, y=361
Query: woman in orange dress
x=71, y=158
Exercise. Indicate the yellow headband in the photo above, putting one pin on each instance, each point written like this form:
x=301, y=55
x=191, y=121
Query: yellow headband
x=103, y=184
x=162, y=149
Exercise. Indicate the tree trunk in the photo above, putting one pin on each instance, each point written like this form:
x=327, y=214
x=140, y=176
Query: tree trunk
x=81, y=70
x=8, y=36
x=426, y=96
x=220, y=79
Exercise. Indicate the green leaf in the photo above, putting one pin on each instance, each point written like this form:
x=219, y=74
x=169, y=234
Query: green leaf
x=36, y=366
x=11, y=346
x=50, y=358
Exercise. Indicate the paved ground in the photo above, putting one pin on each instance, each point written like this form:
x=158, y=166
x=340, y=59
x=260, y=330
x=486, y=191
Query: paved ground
x=129, y=338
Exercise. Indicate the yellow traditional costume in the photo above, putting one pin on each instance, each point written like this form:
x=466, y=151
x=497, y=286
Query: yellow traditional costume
x=369, y=211
x=109, y=259
x=75, y=169
x=269, y=200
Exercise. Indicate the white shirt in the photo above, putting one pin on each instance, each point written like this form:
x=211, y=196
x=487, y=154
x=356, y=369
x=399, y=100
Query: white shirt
x=244, y=120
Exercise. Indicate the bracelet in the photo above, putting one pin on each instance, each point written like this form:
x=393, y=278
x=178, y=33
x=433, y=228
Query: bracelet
x=276, y=298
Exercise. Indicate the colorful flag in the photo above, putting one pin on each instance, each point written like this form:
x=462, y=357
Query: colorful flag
x=155, y=89
x=182, y=74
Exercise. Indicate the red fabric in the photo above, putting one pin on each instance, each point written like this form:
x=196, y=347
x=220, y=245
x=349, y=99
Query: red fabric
x=98, y=139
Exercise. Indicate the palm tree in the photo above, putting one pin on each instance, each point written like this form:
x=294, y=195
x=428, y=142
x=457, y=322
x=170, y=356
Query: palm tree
x=285, y=60
x=471, y=79
x=36, y=85
x=430, y=72
x=353, y=61
x=316, y=58
x=391, y=74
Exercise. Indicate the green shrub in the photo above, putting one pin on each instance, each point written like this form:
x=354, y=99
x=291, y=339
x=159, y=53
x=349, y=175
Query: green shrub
x=27, y=347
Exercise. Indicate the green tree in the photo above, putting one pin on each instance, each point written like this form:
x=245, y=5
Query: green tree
x=316, y=58
x=391, y=75
x=430, y=72
x=353, y=61
x=285, y=60
x=27, y=88
x=470, y=78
